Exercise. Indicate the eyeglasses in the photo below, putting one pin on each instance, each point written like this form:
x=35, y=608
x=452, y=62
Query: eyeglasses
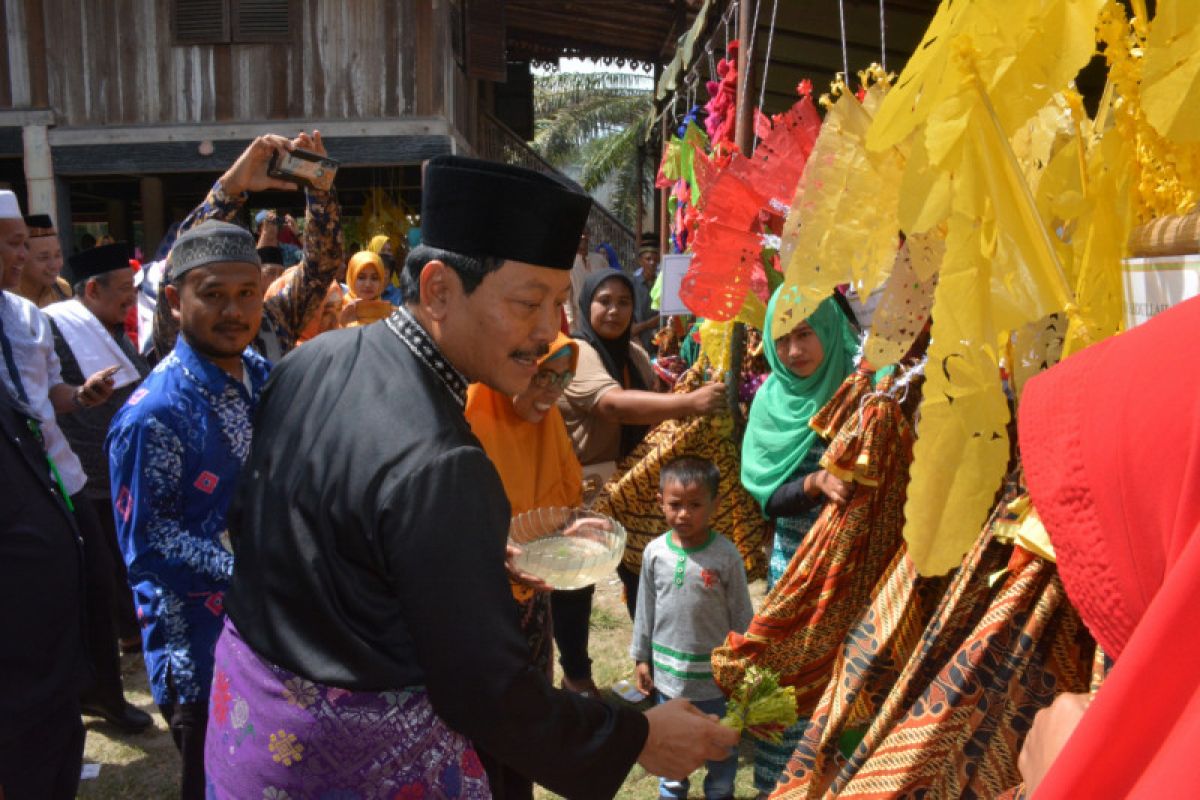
x=546, y=379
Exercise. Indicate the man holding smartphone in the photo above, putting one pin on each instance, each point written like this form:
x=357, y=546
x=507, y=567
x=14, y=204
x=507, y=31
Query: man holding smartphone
x=89, y=337
x=32, y=374
x=284, y=315
x=177, y=446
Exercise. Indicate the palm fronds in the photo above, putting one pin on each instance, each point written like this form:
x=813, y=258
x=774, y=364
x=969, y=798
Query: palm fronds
x=596, y=121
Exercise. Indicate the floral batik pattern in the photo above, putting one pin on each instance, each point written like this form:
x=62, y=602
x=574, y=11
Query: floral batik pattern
x=275, y=734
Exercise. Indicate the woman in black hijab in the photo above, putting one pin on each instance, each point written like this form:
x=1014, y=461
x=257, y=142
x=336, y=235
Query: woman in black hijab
x=608, y=408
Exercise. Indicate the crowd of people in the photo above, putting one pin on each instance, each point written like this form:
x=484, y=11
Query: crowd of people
x=289, y=486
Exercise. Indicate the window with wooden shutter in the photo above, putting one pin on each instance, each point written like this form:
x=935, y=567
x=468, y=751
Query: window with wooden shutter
x=261, y=20
x=200, y=21
x=487, y=56
x=231, y=21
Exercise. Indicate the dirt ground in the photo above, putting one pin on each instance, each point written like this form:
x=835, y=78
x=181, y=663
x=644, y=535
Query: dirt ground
x=146, y=766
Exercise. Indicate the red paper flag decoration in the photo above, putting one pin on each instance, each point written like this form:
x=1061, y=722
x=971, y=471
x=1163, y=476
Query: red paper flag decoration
x=728, y=243
x=721, y=270
x=781, y=156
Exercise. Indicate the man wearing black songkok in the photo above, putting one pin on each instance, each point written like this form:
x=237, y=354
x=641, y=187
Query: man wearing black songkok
x=369, y=565
x=89, y=336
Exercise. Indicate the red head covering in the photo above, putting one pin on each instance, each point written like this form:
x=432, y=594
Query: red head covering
x=1110, y=442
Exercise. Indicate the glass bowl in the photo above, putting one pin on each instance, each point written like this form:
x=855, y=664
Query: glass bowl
x=568, y=548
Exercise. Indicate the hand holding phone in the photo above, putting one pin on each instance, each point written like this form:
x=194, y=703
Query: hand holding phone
x=97, y=388
x=303, y=167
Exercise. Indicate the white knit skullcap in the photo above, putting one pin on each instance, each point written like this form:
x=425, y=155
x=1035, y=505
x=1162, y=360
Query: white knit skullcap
x=9, y=207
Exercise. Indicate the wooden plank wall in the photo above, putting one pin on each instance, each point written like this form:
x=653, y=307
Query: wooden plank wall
x=111, y=62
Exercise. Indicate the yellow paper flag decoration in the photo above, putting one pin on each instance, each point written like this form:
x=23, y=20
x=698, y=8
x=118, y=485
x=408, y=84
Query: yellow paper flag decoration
x=1000, y=273
x=1034, y=349
x=1023, y=50
x=962, y=447
x=716, y=344
x=901, y=314
x=827, y=239
x=1013, y=202
x=1099, y=243
x=1166, y=176
x=1171, y=76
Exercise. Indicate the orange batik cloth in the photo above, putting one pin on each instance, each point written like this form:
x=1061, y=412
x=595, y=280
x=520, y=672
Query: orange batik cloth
x=799, y=631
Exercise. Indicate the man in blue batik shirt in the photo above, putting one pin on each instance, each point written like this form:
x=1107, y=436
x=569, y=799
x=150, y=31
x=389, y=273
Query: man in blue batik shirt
x=177, y=447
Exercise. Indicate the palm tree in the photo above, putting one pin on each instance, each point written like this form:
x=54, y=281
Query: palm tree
x=596, y=123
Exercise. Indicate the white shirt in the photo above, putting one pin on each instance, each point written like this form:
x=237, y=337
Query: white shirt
x=33, y=349
x=148, y=281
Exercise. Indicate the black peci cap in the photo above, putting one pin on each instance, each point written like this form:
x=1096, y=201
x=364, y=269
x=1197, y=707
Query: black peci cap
x=483, y=208
x=39, y=225
x=96, y=261
x=271, y=255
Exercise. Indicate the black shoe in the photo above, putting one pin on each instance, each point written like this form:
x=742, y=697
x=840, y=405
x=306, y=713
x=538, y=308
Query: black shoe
x=128, y=718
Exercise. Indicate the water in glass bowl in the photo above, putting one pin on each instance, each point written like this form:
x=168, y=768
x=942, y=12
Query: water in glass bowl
x=565, y=562
x=568, y=548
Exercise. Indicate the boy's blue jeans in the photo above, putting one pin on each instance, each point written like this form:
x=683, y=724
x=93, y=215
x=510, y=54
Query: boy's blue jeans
x=719, y=775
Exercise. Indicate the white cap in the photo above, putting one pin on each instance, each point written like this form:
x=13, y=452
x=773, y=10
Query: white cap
x=9, y=207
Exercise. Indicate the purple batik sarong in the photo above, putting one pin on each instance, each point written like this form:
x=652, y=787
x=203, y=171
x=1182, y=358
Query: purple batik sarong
x=273, y=734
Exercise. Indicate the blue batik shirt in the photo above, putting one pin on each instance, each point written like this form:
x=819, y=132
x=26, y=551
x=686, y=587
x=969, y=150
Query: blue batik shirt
x=175, y=450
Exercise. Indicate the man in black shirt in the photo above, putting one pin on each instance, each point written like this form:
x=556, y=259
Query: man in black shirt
x=89, y=335
x=369, y=530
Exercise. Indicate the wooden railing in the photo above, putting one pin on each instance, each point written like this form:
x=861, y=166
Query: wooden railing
x=497, y=142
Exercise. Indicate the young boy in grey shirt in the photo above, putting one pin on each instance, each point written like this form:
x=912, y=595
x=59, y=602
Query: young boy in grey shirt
x=692, y=593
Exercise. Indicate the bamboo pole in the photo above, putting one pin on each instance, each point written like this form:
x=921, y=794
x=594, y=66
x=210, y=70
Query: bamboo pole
x=744, y=127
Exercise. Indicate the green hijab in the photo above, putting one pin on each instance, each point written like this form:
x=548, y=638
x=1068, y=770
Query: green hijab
x=778, y=436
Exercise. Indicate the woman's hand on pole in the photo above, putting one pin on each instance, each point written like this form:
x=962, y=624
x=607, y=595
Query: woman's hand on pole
x=709, y=399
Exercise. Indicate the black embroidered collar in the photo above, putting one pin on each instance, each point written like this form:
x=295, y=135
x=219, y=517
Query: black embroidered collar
x=417, y=340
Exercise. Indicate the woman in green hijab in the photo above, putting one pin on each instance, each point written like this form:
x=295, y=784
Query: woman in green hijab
x=781, y=458
x=781, y=454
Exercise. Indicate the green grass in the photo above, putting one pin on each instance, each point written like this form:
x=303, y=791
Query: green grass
x=145, y=766
x=132, y=766
x=609, y=649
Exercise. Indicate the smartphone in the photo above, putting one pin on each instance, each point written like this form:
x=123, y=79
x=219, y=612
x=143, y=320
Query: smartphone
x=305, y=168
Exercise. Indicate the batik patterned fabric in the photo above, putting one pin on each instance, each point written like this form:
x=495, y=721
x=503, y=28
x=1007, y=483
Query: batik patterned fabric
x=536, y=624
x=1101, y=664
x=874, y=652
x=631, y=495
x=828, y=583
x=175, y=451
x=1002, y=643
x=273, y=734
x=287, y=312
x=799, y=630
